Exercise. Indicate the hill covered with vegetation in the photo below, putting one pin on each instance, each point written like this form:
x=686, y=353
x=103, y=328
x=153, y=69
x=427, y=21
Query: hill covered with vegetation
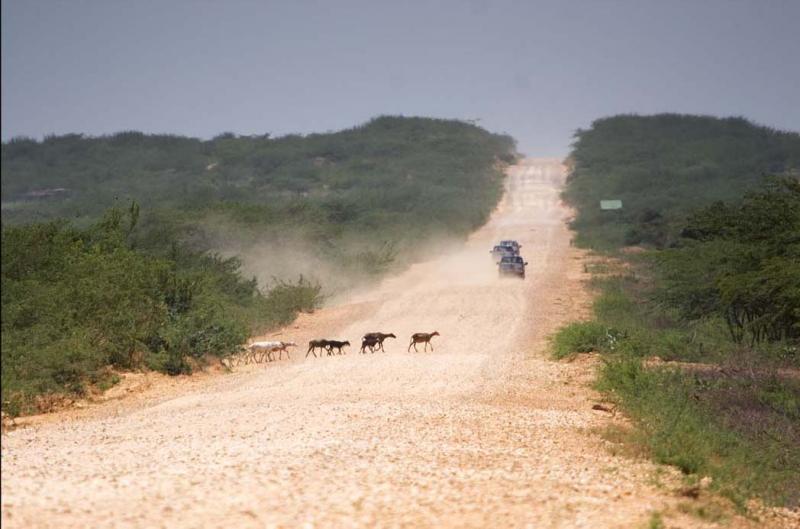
x=137, y=250
x=716, y=293
x=339, y=207
x=377, y=181
x=663, y=167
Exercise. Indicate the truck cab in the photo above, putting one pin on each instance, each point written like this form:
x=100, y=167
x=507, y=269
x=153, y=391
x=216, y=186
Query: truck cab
x=499, y=251
x=511, y=244
x=512, y=265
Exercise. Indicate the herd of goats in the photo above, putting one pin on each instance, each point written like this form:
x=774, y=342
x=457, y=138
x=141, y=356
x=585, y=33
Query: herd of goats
x=258, y=352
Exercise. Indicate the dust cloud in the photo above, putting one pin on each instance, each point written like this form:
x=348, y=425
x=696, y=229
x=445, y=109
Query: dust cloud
x=343, y=273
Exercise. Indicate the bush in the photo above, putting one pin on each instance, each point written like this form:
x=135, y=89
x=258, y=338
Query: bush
x=740, y=262
x=292, y=298
x=718, y=285
x=737, y=423
x=742, y=433
x=580, y=337
x=76, y=301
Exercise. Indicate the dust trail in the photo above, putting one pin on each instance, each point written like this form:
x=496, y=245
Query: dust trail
x=288, y=256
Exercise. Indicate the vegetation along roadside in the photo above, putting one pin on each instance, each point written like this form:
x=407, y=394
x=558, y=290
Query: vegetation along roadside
x=697, y=314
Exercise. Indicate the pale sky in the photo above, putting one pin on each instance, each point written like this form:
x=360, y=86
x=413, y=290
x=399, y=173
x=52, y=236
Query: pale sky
x=537, y=70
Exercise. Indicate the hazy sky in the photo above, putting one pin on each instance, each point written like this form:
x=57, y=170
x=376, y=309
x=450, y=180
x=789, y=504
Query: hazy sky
x=534, y=69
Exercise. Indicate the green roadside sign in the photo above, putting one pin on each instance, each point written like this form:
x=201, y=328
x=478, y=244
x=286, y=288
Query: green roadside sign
x=610, y=204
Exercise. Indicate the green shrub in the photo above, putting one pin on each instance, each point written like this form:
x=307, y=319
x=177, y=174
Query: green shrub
x=76, y=301
x=720, y=285
x=687, y=420
x=737, y=424
x=741, y=262
x=580, y=337
x=302, y=296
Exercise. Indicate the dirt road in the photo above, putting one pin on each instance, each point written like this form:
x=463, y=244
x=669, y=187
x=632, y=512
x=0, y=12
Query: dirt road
x=483, y=432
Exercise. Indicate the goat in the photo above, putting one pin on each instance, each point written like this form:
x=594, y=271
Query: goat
x=285, y=348
x=379, y=337
x=261, y=350
x=250, y=354
x=369, y=341
x=333, y=344
x=258, y=351
x=279, y=347
x=422, y=337
x=316, y=344
x=245, y=356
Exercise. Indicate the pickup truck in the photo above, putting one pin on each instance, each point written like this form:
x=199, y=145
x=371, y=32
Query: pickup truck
x=498, y=252
x=511, y=244
x=512, y=265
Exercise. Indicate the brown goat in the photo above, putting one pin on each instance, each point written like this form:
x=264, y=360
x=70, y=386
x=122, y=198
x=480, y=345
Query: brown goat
x=422, y=337
x=379, y=337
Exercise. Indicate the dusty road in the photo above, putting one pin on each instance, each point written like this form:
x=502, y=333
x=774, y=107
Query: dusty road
x=483, y=432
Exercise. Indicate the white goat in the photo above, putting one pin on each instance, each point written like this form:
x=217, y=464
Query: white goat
x=260, y=350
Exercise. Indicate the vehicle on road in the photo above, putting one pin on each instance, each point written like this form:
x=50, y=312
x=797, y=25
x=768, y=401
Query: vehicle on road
x=498, y=252
x=511, y=244
x=512, y=265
